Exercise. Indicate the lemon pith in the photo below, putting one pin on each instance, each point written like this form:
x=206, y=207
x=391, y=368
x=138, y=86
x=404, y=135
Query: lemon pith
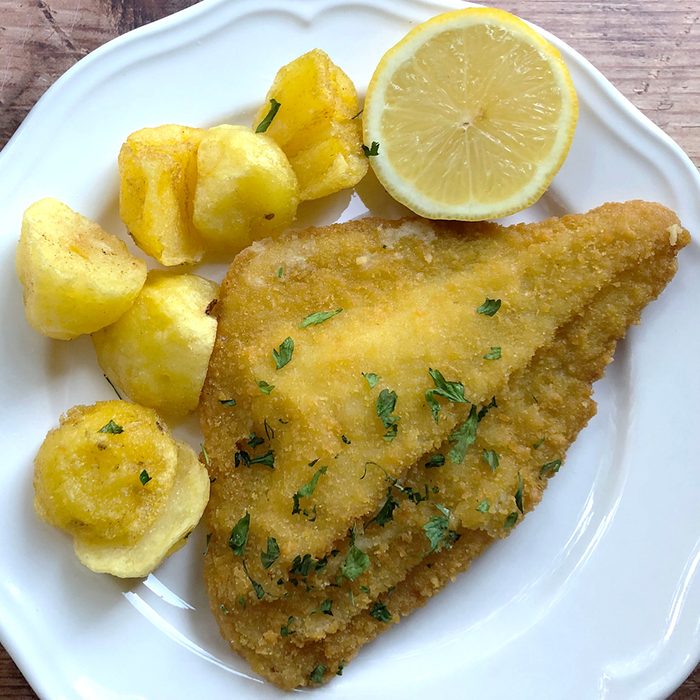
x=474, y=113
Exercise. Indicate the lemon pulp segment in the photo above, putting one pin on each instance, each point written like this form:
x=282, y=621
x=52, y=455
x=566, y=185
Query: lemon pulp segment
x=474, y=113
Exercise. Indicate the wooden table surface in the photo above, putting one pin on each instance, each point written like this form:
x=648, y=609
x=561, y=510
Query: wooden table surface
x=647, y=49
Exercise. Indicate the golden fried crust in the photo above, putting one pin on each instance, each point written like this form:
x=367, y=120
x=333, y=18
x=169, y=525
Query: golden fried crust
x=550, y=398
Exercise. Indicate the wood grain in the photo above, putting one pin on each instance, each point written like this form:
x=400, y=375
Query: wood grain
x=647, y=49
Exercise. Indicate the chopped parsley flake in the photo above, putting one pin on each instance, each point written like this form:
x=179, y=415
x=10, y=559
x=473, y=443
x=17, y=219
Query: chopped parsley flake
x=144, y=477
x=491, y=458
x=265, y=387
x=317, y=674
x=283, y=354
x=386, y=512
x=484, y=506
x=307, y=489
x=267, y=120
x=386, y=403
x=318, y=317
x=373, y=150
x=259, y=590
x=269, y=557
x=438, y=532
x=239, y=535
x=326, y=607
x=435, y=461
x=485, y=409
x=538, y=444
x=452, y=391
x=463, y=436
x=372, y=379
x=494, y=353
x=510, y=520
x=380, y=612
x=303, y=565
x=286, y=630
x=519, y=494
x=111, y=427
x=550, y=468
x=489, y=307
x=242, y=457
x=280, y=272
x=253, y=440
x=227, y=402
x=356, y=562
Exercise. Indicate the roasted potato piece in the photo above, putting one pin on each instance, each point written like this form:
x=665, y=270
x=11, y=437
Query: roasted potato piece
x=317, y=124
x=180, y=514
x=77, y=278
x=246, y=188
x=157, y=174
x=112, y=476
x=90, y=472
x=158, y=351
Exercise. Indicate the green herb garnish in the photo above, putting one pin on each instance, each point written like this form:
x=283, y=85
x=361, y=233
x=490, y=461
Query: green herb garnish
x=485, y=409
x=435, y=461
x=550, y=468
x=285, y=630
x=386, y=403
x=484, y=506
x=280, y=272
x=519, y=494
x=437, y=530
x=494, y=353
x=265, y=123
x=463, y=436
x=326, y=607
x=283, y=354
x=265, y=387
x=227, y=402
x=489, y=307
x=144, y=477
x=380, y=612
x=491, y=458
x=307, y=489
x=386, y=512
x=373, y=150
x=269, y=557
x=372, y=379
x=538, y=444
x=242, y=457
x=510, y=520
x=111, y=427
x=253, y=440
x=356, y=562
x=317, y=674
x=239, y=535
x=452, y=391
x=318, y=317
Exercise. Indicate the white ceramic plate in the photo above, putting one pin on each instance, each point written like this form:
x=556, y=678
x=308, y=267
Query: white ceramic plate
x=594, y=595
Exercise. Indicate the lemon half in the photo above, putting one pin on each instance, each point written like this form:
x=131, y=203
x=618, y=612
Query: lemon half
x=474, y=113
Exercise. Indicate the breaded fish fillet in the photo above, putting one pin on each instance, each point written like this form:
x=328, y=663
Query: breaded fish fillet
x=538, y=402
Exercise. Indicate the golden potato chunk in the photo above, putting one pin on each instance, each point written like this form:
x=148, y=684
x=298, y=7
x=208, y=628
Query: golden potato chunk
x=104, y=474
x=181, y=512
x=157, y=175
x=158, y=351
x=77, y=278
x=112, y=476
x=246, y=188
x=317, y=124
